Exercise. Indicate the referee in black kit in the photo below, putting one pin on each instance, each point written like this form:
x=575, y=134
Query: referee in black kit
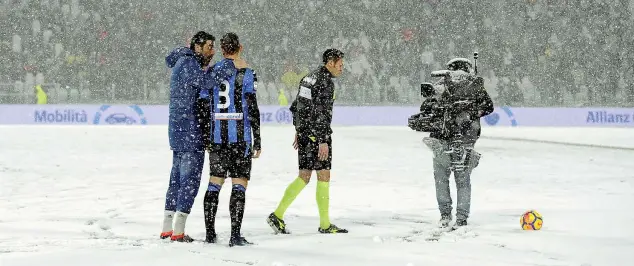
x=312, y=118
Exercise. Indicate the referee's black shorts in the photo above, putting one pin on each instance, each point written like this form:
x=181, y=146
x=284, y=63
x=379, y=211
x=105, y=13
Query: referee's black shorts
x=308, y=154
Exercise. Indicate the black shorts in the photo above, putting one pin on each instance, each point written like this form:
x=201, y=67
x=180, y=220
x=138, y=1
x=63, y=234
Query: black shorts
x=308, y=155
x=230, y=160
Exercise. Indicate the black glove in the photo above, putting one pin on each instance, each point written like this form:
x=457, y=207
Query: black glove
x=421, y=122
x=413, y=122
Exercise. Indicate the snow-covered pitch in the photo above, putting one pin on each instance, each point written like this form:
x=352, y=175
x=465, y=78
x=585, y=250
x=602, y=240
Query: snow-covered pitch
x=95, y=196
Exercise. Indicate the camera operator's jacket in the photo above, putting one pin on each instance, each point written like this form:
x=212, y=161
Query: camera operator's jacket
x=470, y=101
x=312, y=109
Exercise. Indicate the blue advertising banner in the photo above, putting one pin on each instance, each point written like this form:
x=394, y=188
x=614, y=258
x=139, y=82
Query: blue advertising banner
x=135, y=115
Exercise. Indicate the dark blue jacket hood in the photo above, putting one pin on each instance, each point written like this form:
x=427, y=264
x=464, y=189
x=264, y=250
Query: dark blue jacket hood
x=176, y=54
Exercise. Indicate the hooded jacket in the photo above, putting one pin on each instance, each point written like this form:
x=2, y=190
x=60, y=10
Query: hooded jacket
x=187, y=124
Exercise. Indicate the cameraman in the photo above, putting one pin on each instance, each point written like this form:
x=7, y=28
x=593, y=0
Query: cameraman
x=452, y=116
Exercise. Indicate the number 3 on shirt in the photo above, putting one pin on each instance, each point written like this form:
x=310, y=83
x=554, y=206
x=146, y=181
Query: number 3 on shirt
x=224, y=101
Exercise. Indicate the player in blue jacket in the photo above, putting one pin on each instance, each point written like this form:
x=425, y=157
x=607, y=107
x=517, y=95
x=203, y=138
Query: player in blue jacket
x=187, y=129
x=234, y=139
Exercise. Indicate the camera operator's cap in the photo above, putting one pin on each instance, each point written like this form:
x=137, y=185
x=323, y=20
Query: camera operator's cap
x=459, y=64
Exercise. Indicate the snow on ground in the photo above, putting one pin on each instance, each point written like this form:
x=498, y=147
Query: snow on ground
x=602, y=137
x=94, y=196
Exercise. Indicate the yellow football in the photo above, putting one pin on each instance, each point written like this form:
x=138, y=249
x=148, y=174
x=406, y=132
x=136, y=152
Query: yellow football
x=531, y=220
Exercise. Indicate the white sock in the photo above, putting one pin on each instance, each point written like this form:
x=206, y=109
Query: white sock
x=168, y=217
x=179, y=223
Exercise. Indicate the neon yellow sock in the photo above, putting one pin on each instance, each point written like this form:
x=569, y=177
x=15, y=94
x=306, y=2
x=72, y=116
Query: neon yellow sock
x=323, y=202
x=289, y=196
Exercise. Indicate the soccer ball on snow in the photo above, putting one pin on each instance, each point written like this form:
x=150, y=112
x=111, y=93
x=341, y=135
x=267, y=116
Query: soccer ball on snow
x=531, y=220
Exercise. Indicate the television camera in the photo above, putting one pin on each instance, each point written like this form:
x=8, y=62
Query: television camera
x=444, y=112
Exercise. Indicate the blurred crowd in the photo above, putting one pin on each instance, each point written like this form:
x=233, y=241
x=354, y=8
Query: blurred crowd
x=532, y=52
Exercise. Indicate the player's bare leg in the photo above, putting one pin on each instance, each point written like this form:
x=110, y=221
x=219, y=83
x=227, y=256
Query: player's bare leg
x=305, y=175
x=276, y=219
x=236, y=210
x=211, y=207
